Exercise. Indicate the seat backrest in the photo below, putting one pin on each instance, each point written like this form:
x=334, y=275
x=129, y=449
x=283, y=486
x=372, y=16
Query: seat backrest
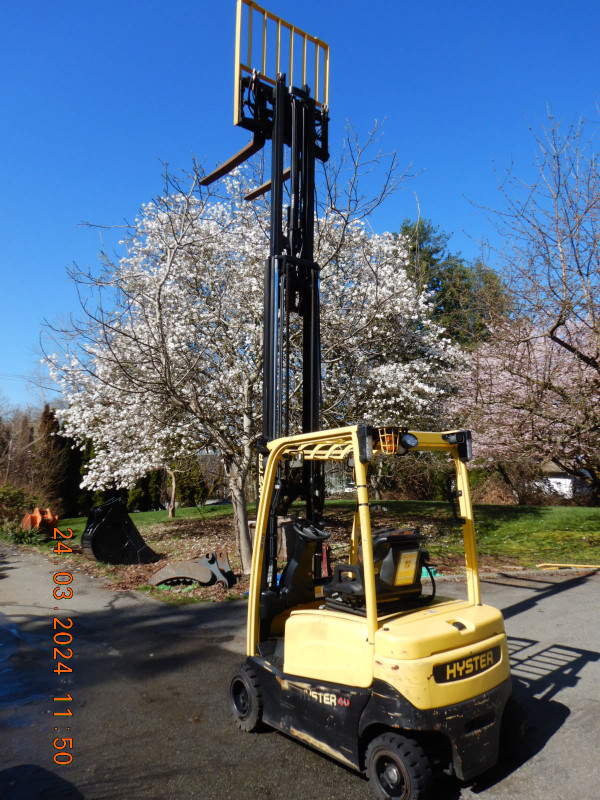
x=296, y=583
x=396, y=556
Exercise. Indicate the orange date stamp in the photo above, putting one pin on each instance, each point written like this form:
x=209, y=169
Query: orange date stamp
x=62, y=638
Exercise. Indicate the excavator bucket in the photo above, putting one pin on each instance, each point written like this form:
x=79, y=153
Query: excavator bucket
x=182, y=572
x=211, y=568
x=224, y=567
x=111, y=536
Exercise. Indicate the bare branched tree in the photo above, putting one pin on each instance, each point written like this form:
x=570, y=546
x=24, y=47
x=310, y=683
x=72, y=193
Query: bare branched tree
x=545, y=368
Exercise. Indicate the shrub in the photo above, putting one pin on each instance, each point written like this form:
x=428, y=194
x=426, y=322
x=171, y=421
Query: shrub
x=19, y=536
x=14, y=504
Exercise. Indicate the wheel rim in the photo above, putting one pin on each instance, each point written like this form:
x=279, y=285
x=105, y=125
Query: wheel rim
x=240, y=698
x=392, y=777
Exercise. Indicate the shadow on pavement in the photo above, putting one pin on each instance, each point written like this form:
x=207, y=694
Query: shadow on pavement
x=30, y=782
x=133, y=643
x=542, y=588
x=4, y=566
x=538, y=674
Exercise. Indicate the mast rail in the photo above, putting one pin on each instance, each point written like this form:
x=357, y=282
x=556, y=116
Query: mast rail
x=243, y=64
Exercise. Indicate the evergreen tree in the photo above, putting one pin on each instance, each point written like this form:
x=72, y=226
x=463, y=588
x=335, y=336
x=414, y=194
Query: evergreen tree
x=466, y=296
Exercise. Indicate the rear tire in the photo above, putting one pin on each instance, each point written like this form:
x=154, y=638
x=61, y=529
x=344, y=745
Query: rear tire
x=398, y=768
x=513, y=732
x=245, y=698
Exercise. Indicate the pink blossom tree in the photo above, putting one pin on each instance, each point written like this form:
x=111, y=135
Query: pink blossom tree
x=534, y=388
x=526, y=397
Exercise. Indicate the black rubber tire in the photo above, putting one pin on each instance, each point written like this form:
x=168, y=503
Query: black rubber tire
x=514, y=732
x=398, y=768
x=245, y=699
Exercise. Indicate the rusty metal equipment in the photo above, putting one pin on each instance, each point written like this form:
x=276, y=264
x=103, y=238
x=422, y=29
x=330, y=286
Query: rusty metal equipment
x=567, y=566
x=111, y=536
x=42, y=521
x=211, y=568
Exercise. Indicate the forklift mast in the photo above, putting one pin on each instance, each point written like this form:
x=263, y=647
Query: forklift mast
x=352, y=664
x=274, y=109
x=291, y=274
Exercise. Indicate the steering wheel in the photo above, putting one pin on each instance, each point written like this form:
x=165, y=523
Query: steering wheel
x=311, y=532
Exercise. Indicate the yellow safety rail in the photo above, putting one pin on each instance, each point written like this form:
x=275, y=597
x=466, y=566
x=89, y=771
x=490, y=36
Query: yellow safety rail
x=338, y=444
x=255, y=14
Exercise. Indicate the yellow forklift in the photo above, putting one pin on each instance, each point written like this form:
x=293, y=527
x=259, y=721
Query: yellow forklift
x=365, y=665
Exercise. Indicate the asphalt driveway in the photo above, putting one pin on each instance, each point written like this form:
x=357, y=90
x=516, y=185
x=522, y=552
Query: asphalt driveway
x=148, y=684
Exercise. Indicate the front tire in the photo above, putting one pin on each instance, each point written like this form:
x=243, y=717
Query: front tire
x=398, y=768
x=245, y=698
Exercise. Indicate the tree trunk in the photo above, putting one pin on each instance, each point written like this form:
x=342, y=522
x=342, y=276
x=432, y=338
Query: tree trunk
x=506, y=478
x=172, y=496
x=595, y=481
x=375, y=479
x=240, y=514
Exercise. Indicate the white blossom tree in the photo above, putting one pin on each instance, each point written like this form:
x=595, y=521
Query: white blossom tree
x=383, y=357
x=167, y=359
x=167, y=356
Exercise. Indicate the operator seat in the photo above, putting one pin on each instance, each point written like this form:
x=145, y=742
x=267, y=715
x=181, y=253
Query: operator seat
x=397, y=556
x=296, y=584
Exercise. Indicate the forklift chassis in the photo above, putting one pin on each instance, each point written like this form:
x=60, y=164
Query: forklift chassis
x=341, y=720
x=368, y=669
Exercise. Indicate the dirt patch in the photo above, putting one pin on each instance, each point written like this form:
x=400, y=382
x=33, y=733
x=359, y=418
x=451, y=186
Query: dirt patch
x=180, y=540
x=194, y=538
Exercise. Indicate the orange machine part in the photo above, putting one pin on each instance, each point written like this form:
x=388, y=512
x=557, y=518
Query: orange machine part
x=37, y=519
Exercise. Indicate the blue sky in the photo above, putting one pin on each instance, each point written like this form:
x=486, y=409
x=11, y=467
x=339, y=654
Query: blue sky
x=95, y=96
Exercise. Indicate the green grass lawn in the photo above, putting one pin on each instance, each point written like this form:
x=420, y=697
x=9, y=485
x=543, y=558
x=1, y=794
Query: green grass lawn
x=144, y=519
x=523, y=535
x=540, y=533
x=527, y=535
